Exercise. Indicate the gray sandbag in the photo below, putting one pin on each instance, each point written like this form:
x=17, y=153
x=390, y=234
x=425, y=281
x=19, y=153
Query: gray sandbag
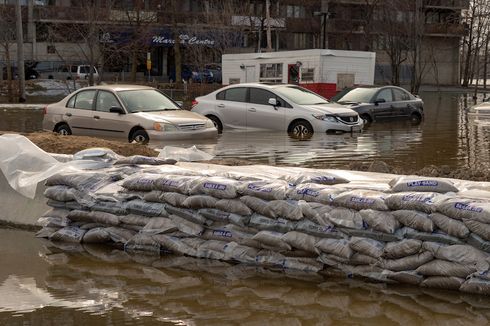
x=476, y=285
x=120, y=235
x=188, y=214
x=317, y=230
x=46, y=232
x=462, y=208
x=315, y=212
x=144, y=160
x=217, y=187
x=187, y=226
x=480, y=229
x=311, y=192
x=463, y=254
x=272, y=239
x=368, y=247
x=416, y=201
x=117, y=208
x=85, y=181
x=60, y=193
x=268, y=224
x=361, y=259
x=53, y=222
x=56, y=212
x=200, y=201
x=379, y=220
x=361, y=199
x=403, y=248
x=439, y=267
x=57, y=204
x=212, y=249
x=435, y=236
x=228, y=234
x=301, y=241
x=173, y=198
x=96, y=235
x=288, y=209
x=337, y=247
x=133, y=219
x=175, y=183
x=157, y=225
x=443, y=282
x=89, y=226
x=415, y=220
x=174, y=245
x=142, y=242
x=332, y=260
x=375, y=235
x=157, y=196
x=265, y=189
x=407, y=263
x=345, y=217
x=224, y=217
x=141, y=182
x=304, y=264
x=68, y=234
x=240, y=253
x=95, y=217
x=406, y=277
x=133, y=227
x=449, y=225
x=141, y=207
x=317, y=177
x=421, y=184
x=234, y=206
x=257, y=205
x=478, y=242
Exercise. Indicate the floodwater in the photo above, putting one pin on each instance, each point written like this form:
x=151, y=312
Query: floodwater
x=42, y=283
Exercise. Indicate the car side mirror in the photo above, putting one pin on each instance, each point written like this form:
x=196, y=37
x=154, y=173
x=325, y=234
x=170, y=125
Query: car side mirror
x=273, y=102
x=116, y=109
x=381, y=100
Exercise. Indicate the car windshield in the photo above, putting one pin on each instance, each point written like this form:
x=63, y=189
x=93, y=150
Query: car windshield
x=300, y=95
x=358, y=95
x=146, y=100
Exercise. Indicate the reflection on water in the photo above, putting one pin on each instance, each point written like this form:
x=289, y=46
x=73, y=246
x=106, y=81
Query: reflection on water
x=99, y=286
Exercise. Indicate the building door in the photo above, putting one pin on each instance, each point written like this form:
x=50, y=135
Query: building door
x=293, y=74
x=250, y=74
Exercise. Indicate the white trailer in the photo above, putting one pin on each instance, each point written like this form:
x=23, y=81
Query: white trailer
x=320, y=70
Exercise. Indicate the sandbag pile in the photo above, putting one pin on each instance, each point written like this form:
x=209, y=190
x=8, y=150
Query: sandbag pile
x=420, y=232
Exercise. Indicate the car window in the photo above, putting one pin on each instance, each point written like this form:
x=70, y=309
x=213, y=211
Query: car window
x=71, y=102
x=221, y=95
x=386, y=95
x=106, y=100
x=400, y=95
x=84, y=100
x=300, y=95
x=84, y=69
x=146, y=100
x=260, y=96
x=74, y=69
x=238, y=94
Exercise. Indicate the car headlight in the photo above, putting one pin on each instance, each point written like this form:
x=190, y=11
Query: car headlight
x=209, y=123
x=160, y=126
x=325, y=117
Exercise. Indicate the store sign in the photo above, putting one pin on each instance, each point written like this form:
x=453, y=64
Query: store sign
x=185, y=39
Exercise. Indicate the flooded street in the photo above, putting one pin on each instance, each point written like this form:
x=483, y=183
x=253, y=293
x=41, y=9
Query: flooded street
x=90, y=285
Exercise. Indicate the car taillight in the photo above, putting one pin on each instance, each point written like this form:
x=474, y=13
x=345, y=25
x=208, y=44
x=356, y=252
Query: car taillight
x=194, y=103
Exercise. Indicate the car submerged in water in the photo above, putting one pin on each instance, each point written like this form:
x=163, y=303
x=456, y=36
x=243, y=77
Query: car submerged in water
x=134, y=113
x=280, y=107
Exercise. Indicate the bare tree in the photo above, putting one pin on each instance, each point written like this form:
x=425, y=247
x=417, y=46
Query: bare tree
x=7, y=36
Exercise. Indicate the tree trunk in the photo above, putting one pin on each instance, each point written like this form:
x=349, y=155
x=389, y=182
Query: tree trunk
x=466, y=71
x=134, y=64
x=268, y=19
x=485, y=62
x=177, y=59
x=10, y=89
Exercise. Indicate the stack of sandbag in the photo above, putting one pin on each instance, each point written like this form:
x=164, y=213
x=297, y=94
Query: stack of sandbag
x=420, y=231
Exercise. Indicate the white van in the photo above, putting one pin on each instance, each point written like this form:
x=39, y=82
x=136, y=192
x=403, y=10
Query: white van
x=68, y=72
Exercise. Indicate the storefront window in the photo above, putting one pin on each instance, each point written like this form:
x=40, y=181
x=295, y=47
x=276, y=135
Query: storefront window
x=271, y=72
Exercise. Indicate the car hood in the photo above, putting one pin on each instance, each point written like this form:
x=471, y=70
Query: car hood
x=174, y=117
x=331, y=108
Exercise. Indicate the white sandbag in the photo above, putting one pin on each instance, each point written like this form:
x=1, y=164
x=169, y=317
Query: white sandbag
x=345, y=217
x=301, y=241
x=95, y=216
x=187, y=226
x=311, y=192
x=478, y=242
x=157, y=225
x=142, y=242
x=200, y=201
x=143, y=160
x=317, y=230
x=272, y=239
x=141, y=207
x=476, y=285
x=288, y=209
x=318, y=177
x=416, y=201
x=257, y=205
x=141, y=182
x=240, y=253
x=368, y=247
x=60, y=193
x=480, y=229
x=462, y=208
x=403, y=248
x=157, y=196
x=463, y=254
x=215, y=186
x=415, y=220
x=361, y=199
x=174, y=245
x=86, y=181
x=407, y=277
x=439, y=267
x=212, y=249
x=120, y=235
x=224, y=217
x=175, y=183
x=338, y=247
x=379, y=220
x=46, y=232
x=133, y=219
x=266, y=189
x=96, y=154
x=117, y=208
x=375, y=235
x=96, y=235
x=267, y=224
x=304, y=264
x=188, y=214
x=53, y=222
x=68, y=234
x=173, y=198
x=423, y=184
x=234, y=206
x=228, y=234
x=443, y=282
x=449, y=225
x=407, y=263
x=315, y=213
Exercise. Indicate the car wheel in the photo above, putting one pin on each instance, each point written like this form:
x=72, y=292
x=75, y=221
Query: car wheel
x=367, y=118
x=301, y=129
x=63, y=129
x=415, y=118
x=140, y=136
x=217, y=123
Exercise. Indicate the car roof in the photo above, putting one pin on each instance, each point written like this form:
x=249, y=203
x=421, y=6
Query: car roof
x=261, y=85
x=119, y=87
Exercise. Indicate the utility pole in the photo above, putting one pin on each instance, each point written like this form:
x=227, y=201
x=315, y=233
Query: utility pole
x=20, y=53
x=268, y=19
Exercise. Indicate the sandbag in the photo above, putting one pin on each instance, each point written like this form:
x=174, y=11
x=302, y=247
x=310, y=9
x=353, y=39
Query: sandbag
x=53, y=222
x=476, y=285
x=304, y=264
x=481, y=229
x=187, y=226
x=141, y=207
x=257, y=205
x=234, y=206
x=407, y=277
x=450, y=226
x=200, y=201
x=174, y=245
x=443, y=282
x=463, y=254
x=142, y=242
x=133, y=219
x=346, y=217
x=56, y=212
x=46, y=232
x=416, y=201
x=117, y=208
x=462, y=208
x=82, y=180
x=141, y=182
x=96, y=235
x=403, y=248
x=60, y=193
x=332, y=260
x=368, y=247
x=144, y=160
x=229, y=234
x=338, y=247
x=311, y=192
x=375, y=235
x=240, y=253
x=215, y=186
x=272, y=239
x=224, y=217
x=264, y=223
x=478, y=242
x=379, y=220
x=317, y=177
x=361, y=259
x=68, y=234
x=175, y=183
x=89, y=226
x=317, y=230
x=188, y=214
x=157, y=225
x=174, y=198
x=361, y=199
x=422, y=184
x=301, y=241
x=95, y=216
x=212, y=249
x=415, y=220
x=438, y=267
x=120, y=235
x=408, y=262
x=317, y=213
x=288, y=209
x=265, y=189
x=435, y=236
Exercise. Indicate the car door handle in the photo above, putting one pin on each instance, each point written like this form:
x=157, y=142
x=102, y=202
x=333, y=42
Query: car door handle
x=68, y=114
x=221, y=105
x=252, y=110
x=96, y=117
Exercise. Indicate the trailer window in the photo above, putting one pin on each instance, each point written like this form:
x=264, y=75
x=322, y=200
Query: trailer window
x=271, y=72
x=307, y=74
